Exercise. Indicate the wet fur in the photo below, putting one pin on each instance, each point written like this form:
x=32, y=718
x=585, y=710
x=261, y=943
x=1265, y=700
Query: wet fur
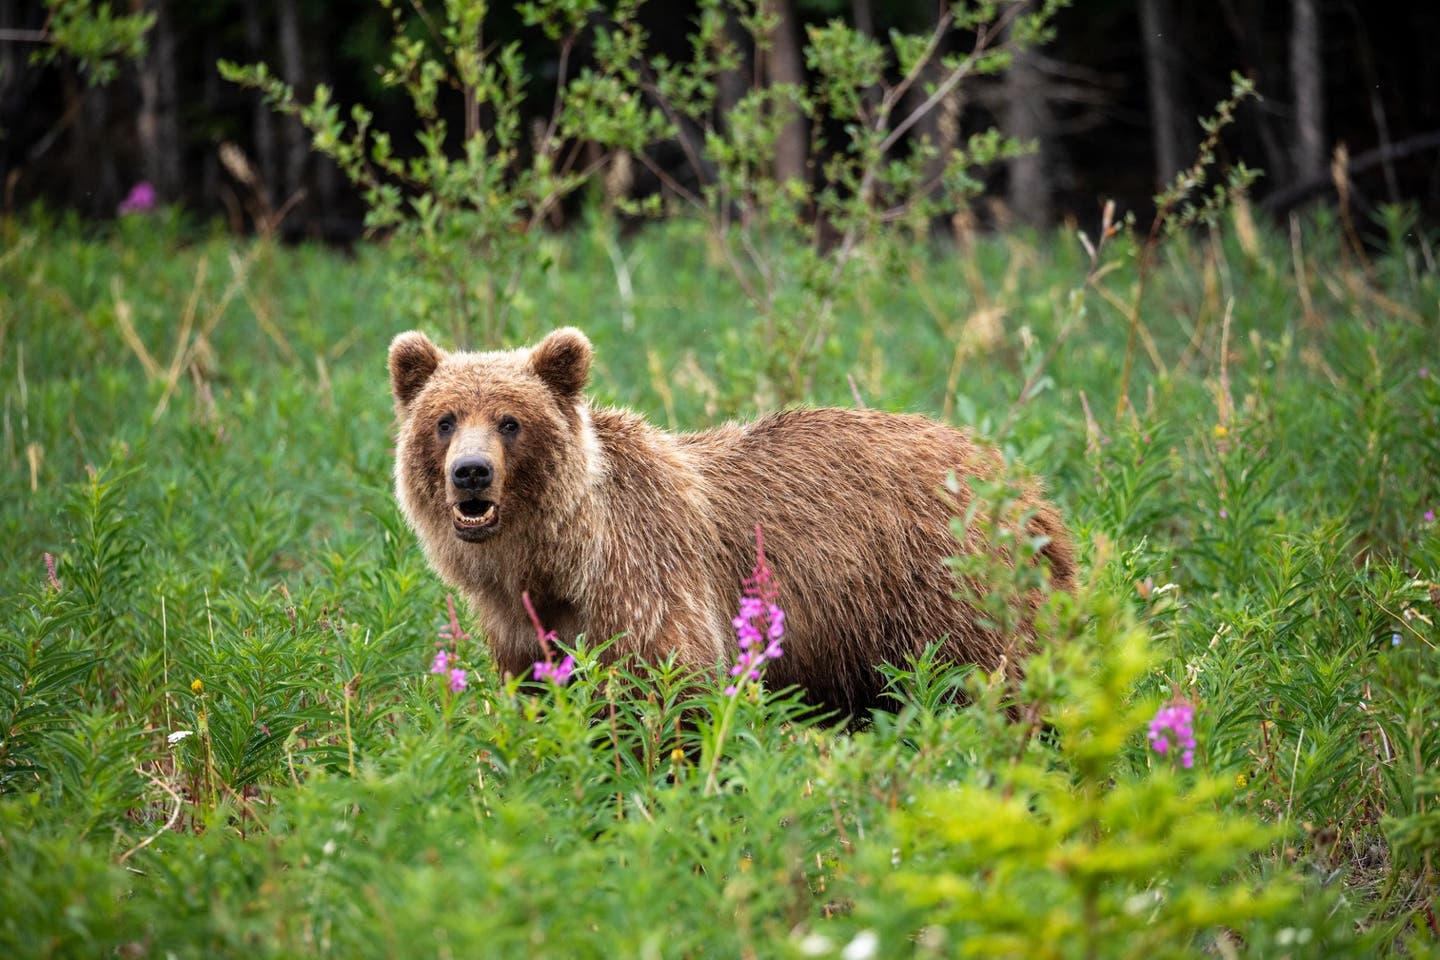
x=616, y=527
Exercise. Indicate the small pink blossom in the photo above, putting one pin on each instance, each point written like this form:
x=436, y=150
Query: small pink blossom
x=452, y=631
x=547, y=669
x=1429, y=518
x=557, y=673
x=760, y=625
x=442, y=661
x=140, y=199
x=50, y=577
x=1177, y=720
x=459, y=680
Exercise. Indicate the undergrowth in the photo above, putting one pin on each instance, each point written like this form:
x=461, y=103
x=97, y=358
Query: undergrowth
x=219, y=734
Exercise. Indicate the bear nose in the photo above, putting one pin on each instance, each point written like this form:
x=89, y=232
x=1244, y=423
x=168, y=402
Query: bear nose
x=472, y=473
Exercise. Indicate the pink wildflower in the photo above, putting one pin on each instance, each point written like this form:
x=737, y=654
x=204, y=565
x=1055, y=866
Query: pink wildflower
x=459, y=680
x=140, y=199
x=442, y=661
x=557, y=673
x=452, y=631
x=760, y=625
x=1177, y=720
x=53, y=580
x=547, y=669
x=545, y=637
x=1429, y=518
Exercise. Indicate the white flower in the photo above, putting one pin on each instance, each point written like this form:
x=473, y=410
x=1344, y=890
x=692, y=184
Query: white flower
x=816, y=945
x=179, y=735
x=863, y=947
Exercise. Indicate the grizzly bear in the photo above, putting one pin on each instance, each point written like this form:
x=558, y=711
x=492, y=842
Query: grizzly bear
x=515, y=484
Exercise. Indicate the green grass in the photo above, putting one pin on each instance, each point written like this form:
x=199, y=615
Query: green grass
x=231, y=563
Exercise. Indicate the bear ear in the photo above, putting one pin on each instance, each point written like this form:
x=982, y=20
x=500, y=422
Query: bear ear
x=562, y=360
x=413, y=358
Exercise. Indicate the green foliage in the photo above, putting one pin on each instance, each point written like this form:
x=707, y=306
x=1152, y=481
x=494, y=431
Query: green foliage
x=1074, y=849
x=467, y=218
x=1177, y=204
x=861, y=199
x=467, y=205
x=218, y=735
x=94, y=36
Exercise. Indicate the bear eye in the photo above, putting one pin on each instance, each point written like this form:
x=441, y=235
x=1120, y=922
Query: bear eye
x=446, y=426
x=508, y=426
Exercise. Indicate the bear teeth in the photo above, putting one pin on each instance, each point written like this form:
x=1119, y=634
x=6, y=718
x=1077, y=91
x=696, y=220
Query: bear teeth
x=484, y=519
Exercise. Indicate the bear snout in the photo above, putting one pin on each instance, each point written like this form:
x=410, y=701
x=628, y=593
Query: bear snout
x=472, y=474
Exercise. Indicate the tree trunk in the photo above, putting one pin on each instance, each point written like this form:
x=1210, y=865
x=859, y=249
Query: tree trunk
x=1027, y=119
x=210, y=107
x=1307, y=79
x=1169, y=130
x=13, y=64
x=731, y=85
x=292, y=71
x=940, y=127
x=784, y=64
x=261, y=120
x=1246, y=22
x=81, y=145
x=864, y=16
x=324, y=172
x=157, y=126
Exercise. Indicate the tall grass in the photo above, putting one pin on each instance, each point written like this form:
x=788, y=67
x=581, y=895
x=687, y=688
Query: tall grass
x=218, y=734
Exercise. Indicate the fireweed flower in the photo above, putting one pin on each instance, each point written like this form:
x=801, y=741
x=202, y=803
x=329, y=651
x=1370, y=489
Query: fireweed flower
x=445, y=662
x=140, y=199
x=547, y=669
x=452, y=631
x=556, y=673
x=1174, y=725
x=442, y=661
x=760, y=625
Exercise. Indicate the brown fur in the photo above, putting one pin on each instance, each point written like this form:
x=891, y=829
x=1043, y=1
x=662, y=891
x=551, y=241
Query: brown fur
x=615, y=527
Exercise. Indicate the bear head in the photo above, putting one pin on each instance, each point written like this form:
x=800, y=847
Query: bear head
x=489, y=441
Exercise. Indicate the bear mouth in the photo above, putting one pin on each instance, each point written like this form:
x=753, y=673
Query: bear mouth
x=475, y=519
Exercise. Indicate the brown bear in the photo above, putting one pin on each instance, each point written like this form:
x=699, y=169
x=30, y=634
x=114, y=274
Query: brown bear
x=514, y=483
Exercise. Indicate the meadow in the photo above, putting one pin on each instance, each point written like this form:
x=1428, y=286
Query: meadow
x=220, y=736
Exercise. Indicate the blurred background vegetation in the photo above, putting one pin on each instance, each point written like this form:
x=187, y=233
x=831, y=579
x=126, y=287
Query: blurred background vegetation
x=95, y=97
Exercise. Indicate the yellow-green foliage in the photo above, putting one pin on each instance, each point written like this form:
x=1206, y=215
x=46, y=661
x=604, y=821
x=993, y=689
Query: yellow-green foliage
x=1082, y=850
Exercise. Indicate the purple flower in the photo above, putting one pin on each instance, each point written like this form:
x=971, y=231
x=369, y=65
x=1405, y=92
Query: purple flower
x=459, y=680
x=442, y=661
x=140, y=199
x=760, y=625
x=1428, y=518
x=452, y=631
x=1175, y=720
x=1224, y=513
x=557, y=673
x=53, y=580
